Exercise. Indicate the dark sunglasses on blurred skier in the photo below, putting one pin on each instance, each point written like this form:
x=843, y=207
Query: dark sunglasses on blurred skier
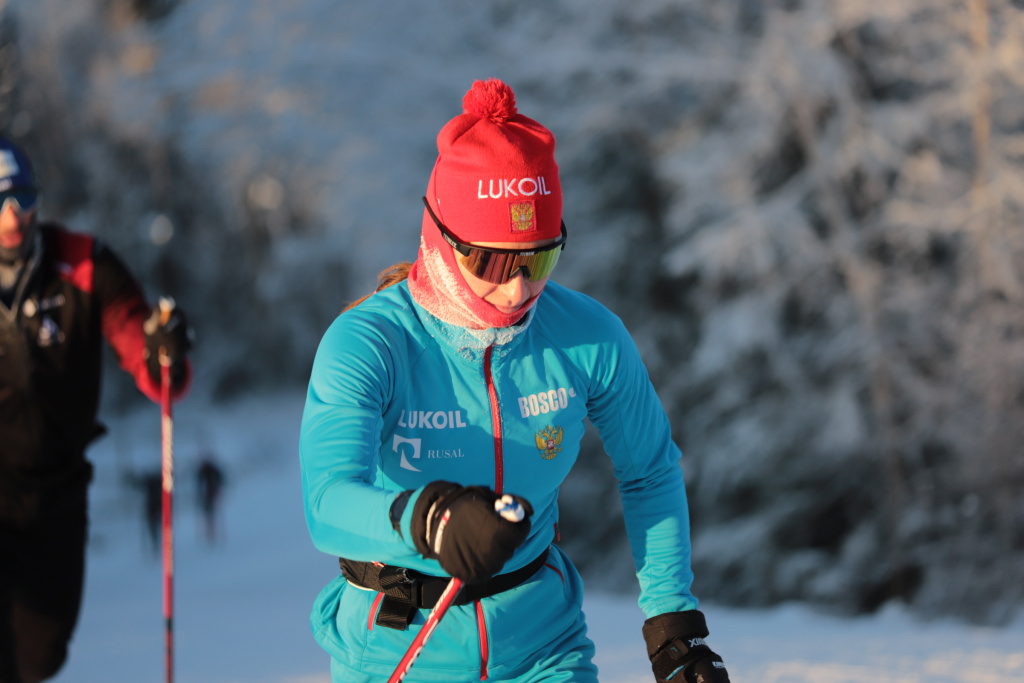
x=24, y=200
x=498, y=266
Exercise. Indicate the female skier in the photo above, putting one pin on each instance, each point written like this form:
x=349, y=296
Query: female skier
x=460, y=387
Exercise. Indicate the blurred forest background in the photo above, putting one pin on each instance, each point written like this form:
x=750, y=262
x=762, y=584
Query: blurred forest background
x=806, y=211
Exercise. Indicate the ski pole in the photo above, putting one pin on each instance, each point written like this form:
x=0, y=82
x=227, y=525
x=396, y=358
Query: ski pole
x=509, y=508
x=443, y=603
x=167, y=482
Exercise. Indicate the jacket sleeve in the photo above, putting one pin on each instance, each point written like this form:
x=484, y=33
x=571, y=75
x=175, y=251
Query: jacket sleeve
x=351, y=383
x=636, y=434
x=123, y=310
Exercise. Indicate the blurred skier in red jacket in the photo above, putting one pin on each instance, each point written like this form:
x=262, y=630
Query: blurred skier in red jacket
x=61, y=294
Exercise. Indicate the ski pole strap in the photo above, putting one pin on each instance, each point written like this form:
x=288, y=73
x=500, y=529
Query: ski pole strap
x=406, y=590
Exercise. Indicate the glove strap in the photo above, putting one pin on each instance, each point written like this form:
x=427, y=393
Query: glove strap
x=678, y=654
x=659, y=630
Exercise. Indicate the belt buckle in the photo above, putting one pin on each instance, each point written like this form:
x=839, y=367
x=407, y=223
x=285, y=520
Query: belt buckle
x=404, y=579
x=414, y=581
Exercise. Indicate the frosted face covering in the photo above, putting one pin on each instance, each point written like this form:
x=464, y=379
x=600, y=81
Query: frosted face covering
x=498, y=266
x=23, y=200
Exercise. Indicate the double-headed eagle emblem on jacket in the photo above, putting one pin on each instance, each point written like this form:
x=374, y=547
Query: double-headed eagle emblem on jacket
x=549, y=441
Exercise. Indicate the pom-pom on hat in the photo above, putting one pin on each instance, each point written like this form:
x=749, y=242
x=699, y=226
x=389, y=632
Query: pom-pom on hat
x=495, y=179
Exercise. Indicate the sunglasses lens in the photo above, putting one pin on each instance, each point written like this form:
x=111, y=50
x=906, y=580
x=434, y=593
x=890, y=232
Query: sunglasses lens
x=542, y=264
x=499, y=268
x=25, y=200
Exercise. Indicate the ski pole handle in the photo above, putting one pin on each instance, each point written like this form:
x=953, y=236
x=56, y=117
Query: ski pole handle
x=166, y=308
x=509, y=508
x=166, y=304
x=443, y=603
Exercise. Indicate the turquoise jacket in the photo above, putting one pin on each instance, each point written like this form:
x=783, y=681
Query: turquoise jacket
x=398, y=398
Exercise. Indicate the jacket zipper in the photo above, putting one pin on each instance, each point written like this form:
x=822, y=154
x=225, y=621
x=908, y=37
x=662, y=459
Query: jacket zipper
x=499, y=469
x=492, y=393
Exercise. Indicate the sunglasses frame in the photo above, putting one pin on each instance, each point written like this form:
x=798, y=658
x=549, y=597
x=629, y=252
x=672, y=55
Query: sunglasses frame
x=467, y=249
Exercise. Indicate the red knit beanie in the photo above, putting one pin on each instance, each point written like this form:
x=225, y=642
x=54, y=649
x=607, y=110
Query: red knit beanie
x=495, y=180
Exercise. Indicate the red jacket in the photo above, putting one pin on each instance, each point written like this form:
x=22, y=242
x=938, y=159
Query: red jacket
x=78, y=292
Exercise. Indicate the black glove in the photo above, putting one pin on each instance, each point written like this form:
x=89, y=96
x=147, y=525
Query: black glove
x=167, y=328
x=675, y=644
x=461, y=527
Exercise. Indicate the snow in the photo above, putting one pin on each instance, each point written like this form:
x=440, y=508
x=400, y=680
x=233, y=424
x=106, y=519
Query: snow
x=242, y=603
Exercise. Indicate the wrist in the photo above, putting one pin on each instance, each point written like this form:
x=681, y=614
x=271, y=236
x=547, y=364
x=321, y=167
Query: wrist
x=659, y=630
x=678, y=651
x=397, y=511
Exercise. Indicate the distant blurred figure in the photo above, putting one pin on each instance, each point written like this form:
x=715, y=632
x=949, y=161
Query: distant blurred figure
x=152, y=488
x=61, y=294
x=209, y=486
x=150, y=485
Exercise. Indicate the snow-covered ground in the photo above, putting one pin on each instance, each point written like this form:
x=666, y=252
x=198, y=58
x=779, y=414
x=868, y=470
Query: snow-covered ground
x=242, y=604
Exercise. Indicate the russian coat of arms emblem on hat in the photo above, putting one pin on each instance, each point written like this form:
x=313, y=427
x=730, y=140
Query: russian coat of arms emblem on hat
x=523, y=216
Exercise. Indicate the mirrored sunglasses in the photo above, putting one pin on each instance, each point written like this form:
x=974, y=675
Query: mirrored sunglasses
x=498, y=266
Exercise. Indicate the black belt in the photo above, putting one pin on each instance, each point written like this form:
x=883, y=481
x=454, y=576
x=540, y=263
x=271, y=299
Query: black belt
x=406, y=590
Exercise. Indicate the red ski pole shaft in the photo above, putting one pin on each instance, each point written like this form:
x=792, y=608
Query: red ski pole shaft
x=443, y=603
x=167, y=485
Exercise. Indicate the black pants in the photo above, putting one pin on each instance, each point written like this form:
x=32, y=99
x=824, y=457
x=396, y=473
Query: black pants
x=42, y=566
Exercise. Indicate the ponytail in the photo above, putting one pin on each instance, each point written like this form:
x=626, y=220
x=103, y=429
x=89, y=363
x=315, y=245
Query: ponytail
x=387, y=277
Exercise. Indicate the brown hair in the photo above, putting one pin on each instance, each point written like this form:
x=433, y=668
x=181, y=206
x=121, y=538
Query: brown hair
x=387, y=277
